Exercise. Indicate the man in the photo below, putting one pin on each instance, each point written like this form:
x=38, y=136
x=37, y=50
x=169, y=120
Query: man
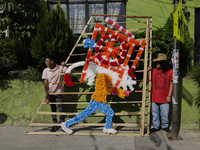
x=161, y=93
x=49, y=75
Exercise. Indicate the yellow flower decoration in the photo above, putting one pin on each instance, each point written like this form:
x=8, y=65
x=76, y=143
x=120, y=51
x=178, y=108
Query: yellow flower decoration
x=104, y=87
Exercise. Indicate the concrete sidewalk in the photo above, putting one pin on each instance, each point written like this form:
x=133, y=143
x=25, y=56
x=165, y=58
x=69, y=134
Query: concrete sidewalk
x=13, y=138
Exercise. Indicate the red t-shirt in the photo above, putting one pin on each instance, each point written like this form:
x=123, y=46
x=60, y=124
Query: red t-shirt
x=160, y=85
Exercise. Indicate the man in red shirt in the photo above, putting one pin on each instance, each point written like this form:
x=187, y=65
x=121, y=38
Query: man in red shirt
x=161, y=92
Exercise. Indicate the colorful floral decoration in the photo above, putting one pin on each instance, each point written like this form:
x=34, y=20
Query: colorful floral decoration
x=109, y=65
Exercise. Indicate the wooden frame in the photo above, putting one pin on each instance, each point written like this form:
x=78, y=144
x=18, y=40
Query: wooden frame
x=147, y=61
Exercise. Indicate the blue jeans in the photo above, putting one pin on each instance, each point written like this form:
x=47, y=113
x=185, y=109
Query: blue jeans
x=89, y=110
x=160, y=109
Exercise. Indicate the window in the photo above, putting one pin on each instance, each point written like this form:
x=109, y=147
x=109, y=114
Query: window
x=78, y=12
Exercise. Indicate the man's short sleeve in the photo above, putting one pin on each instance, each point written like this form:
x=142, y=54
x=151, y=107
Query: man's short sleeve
x=64, y=69
x=44, y=74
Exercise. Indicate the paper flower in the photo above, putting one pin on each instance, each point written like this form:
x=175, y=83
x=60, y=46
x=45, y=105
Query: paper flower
x=89, y=43
x=67, y=79
x=126, y=93
x=114, y=92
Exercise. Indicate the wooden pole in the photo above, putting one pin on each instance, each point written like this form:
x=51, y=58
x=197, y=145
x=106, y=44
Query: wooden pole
x=150, y=64
x=144, y=79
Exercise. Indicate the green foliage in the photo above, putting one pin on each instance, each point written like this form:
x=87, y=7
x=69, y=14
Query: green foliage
x=22, y=17
x=31, y=74
x=185, y=49
x=162, y=42
x=195, y=74
x=14, y=55
x=8, y=56
x=53, y=36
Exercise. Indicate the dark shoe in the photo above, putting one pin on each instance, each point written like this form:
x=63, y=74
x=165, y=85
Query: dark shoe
x=167, y=130
x=54, y=129
x=154, y=130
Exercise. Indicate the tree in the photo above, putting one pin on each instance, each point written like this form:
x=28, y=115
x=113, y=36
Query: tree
x=22, y=17
x=185, y=49
x=53, y=36
x=162, y=42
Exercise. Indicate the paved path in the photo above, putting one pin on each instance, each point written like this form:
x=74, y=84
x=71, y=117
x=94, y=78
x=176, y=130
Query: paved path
x=13, y=138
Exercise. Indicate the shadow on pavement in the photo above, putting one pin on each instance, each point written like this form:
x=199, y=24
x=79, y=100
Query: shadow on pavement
x=156, y=139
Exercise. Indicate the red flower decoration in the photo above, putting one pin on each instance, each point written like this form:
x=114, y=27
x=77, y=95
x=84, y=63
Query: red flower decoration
x=67, y=79
x=130, y=73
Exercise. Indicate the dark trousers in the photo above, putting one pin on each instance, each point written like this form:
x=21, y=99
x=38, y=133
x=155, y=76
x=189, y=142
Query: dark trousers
x=56, y=98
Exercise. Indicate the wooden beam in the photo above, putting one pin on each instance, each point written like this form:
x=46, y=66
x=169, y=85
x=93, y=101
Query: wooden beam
x=136, y=91
x=144, y=79
x=119, y=22
x=88, y=124
x=93, y=114
x=121, y=16
x=85, y=103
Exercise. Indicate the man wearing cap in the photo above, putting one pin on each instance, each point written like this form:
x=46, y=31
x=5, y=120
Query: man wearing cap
x=161, y=93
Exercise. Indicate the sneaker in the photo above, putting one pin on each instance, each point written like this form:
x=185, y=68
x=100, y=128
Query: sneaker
x=54, y=129
x=154, y=130
x=64, y=129
x=112, y=131
x=167, y=130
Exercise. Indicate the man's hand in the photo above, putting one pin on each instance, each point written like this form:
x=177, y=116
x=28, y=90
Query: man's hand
x=47, y=99
x=63, y=63
x=149, y=68
x=168, y=99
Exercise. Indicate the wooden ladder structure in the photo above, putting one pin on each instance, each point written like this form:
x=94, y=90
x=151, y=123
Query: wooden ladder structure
x=145, y=94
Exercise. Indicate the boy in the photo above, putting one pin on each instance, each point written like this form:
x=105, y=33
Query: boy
x=49, y=75
x=161, y=93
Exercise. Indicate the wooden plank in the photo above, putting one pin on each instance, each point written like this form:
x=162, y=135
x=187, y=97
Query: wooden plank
x=150, y=64
x=81, y=133
x=86, y=82
x=81, y=73
x=121, y=16
x=78, y=54
x=85, y=103
x=80, y=45
x=119, y=22
x=93, y=114
x=136, y=91
x=144, y=80
x=88, y=124
x=90, y=33
x=140, y=60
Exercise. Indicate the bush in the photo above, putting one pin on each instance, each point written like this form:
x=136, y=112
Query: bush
x=21, y=17
x=8, y=56
x=196, y=77
x=185, y=49
x=30, y=74
x=14, y=55
x=162, y=42
x=53, y=36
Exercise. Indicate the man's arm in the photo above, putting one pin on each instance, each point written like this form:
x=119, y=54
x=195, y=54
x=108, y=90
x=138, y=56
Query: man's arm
x=168, y=99
x=46, y=87
x=64, y=64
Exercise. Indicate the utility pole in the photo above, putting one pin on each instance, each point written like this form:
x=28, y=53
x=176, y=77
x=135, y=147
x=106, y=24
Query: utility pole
x=174, y=134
